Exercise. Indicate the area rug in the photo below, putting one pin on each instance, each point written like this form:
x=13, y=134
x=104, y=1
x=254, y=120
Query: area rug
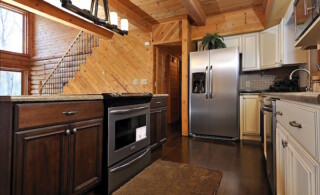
x=164, y=177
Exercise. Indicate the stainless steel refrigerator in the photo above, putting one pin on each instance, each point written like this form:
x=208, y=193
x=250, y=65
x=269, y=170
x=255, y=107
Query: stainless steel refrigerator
x=214, y=93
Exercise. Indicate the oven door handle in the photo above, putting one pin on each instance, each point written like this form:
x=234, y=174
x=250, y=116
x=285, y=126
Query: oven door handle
x=127, y=110
x=129, y=163
x=267, y=109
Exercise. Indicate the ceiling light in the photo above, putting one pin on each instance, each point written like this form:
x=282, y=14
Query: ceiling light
x=89, y=10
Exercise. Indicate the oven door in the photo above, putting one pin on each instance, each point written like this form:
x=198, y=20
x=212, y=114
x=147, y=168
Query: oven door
x=304, y=12
x=128, y=131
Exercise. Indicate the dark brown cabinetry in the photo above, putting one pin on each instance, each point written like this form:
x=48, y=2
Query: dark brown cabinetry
x=61, y=158
x=158, y=121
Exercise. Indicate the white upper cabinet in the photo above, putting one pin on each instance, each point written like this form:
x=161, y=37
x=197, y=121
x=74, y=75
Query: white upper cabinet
x=234, y=41
x=269, y=48
x=250, y=52
x=288, y=53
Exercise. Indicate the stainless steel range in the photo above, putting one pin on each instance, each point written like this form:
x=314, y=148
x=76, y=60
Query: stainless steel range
x=126, y=137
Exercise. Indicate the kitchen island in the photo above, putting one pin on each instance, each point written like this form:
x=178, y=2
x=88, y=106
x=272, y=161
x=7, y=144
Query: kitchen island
x=63, y=134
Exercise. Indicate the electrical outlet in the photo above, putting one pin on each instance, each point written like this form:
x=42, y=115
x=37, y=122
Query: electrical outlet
x=144, y=81
x=248, y=84
x=135, y=81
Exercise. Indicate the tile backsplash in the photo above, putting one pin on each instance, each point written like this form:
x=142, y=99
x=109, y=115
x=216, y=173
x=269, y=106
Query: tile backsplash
x=261, y=80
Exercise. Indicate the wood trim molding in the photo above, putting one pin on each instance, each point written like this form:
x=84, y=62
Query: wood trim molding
x=52, y=12
x=195, y=11
x=186, y=48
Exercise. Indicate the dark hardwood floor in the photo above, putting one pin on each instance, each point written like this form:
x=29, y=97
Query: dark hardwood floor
x=242, y=163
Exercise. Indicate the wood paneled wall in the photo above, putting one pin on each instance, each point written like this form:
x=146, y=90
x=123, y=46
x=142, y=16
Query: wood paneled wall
x=174, y=87
x=50, y=42
x=114, y=65
x=168, y=32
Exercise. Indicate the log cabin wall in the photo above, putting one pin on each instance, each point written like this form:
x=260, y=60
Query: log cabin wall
x=115, y=64
x=50, y=42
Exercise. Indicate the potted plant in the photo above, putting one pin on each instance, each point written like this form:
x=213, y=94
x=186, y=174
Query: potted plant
x=214, y=41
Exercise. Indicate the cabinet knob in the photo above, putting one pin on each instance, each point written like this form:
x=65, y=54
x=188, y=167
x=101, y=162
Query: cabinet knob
x=284, y=144
x=74, y=130
x=278, y=113
x=68, y=131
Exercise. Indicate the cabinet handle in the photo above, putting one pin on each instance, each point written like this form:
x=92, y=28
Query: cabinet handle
x=70, y=113
x=278, y=113
x=284, y=144
x=295, y=124
x=74, y=130
x=159, y=102
x=68, y=131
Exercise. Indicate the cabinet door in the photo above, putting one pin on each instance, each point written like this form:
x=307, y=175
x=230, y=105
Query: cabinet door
x=269, y=48
x=234, y=41
x=250, y=54
x=153, y=128
x=303, y=173
x=40, y=161
x=163, y=129
x=281, y=161
x=251, y=119
x=86, y=155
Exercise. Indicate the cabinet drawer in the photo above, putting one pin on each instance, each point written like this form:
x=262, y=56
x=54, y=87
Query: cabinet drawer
x=44, y=114
x=158, y=102
x=301, y=123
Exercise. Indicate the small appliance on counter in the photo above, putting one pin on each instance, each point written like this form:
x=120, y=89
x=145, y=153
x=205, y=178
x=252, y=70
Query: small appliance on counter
x=126, y=137
x=285, y=85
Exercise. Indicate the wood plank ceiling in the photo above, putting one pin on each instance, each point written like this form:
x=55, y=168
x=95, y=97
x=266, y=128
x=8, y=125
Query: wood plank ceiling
x=160, y=10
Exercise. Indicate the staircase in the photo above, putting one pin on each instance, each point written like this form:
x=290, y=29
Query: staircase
x=69, y=64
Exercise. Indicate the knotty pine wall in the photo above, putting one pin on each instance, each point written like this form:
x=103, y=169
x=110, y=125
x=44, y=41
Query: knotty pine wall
x=114, y=65
x=111, y=68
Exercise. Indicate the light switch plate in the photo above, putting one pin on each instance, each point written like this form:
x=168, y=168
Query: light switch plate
x=144, y=81
x=248, y=84
x=135, y=81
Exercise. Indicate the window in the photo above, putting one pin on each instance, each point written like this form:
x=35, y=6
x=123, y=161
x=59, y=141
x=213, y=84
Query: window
x=11, y=30
x=10, y=83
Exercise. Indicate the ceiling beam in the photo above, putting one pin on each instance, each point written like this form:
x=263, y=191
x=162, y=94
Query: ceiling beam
x=133, y=18
x=54, y=13
x=274, y=11
x=195, y=11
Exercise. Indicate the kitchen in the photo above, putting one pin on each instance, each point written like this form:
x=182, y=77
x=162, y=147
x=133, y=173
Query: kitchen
x=126, y=97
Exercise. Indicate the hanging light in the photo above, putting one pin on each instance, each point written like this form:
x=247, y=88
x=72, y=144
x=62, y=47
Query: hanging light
x=114, y=18
x=89, y=10
x=124, y=25
x=82, y=4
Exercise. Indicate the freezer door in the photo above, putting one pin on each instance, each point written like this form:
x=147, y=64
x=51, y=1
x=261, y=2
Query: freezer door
x=198, y=93
x=224, y=92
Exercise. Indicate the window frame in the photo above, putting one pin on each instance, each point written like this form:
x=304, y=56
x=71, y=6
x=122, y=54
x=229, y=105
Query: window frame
x=24, y=78
x=25, y=28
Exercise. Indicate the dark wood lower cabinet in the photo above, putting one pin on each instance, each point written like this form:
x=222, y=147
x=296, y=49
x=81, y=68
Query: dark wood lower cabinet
x=158, y=122
x=86, y=155
x=62, y=159
x=40, y=161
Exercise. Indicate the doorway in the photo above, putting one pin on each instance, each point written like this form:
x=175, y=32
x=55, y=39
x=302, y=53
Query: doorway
x=167, y=78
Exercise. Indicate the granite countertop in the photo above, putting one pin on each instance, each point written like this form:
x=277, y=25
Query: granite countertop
x=160, y=95
x=31, y=98
x=305, y=97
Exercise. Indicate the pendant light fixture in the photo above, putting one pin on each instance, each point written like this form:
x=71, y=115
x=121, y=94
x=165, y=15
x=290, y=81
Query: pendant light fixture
x=89, y=10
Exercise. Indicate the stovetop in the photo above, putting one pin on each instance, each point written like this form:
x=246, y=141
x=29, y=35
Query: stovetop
x=125, y=99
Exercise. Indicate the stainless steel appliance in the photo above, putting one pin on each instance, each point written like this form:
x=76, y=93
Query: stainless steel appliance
x=305, y=13
x=126, y=137
x=214, y=93
x=268, y=108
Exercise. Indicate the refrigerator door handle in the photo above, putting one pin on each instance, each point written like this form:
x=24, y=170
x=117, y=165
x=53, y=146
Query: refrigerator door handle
x=207, y=82
x=211, y=82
